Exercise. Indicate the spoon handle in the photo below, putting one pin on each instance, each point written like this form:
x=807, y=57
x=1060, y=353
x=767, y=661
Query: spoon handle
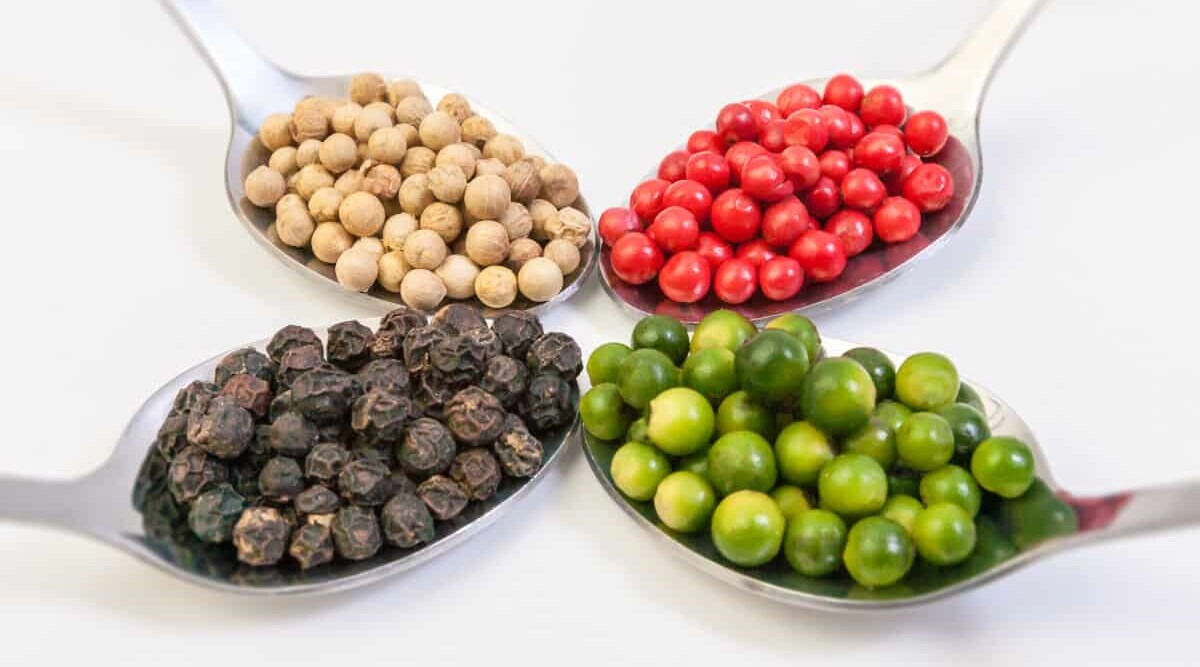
x=63, y=504
x=1141, y=511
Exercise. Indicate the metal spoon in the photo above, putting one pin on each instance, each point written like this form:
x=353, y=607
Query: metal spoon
x=254, y=88
x=99, y=505
x=1011, y=534
x=955, y=88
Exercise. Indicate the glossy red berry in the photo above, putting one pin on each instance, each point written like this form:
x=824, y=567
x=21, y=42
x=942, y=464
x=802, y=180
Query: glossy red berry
x=735, y=122
x=672, y=166
x=780, y=278
x=835, y=165
x=801, y=166
x=784, y=221
x=895, y=180
x=823, y=198
x=857, y=129
x=735, y=281
x=806, y=127
x=739, y=153
x=756, y=252
x=837, y=123
x=647, y=198
x=853, y=228
x=763, y=112
x=705, y=140
x=882, y=105
x=880, y=152
x=926, y=133
x=736, y=216
x=708, y=169
x=862, y=189
x=896, y=220
x=635, y=258
x=714, y=249
x=797, y=97
x=773, y=135
x=617, y=222
x=675, y=228
x=930, y=186
x=690, y=195
x=820, y=255
x=685, y=278
x=763, y=178
x=844, y=91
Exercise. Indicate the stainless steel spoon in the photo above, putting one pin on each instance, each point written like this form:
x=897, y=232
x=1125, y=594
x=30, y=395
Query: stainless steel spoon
x=254, y=88
x=1011, y=534
x=99, y=505
x=954, y=88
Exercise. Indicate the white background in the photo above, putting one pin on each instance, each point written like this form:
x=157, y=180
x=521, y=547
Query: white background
x=1071, y=292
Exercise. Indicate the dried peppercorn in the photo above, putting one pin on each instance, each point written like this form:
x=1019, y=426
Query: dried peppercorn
x=506, y=379
x=243, y=475
x=475, y=417
x=380, y=416
x=547, y=403
x=193, y=471
x=214, y=513
x=316, y=499
x=400, y=483
x=312, y=544
x=280, y=404
x=326, y=461
x=555, y=353
x=194, y=396
x=460, y=359
x=291, y=336
x=385, y=374
x=433, y=392
x=245, y=360
x=223, y=429
x=172, y=435
x=417, y=344
x=297, y=361
x=291, y=435
x=356, y=533
x=387, y=345
x=252, y=393
x=427, y=448
x=151, y=478
x=349, y=345
x=336, y=431
x=365, y=481
x=281, y=479
x=406, y=521
x=443, y=496
x=402, y=320
x=325, y=393
x=477, y=472
x=458, y=318
x=519, y=451
x=517, y=330
x=260, y=536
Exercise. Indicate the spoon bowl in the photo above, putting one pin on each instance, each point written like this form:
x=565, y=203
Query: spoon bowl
x=100, y=505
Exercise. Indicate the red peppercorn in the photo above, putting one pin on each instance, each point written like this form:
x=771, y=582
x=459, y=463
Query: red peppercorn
x=879, y=152
x=857, y=129
x=635, y=258
x=853, y=228
x=736, y=216
x=801, y=166
x=806, y=127
x=889, y=129
x=617, y=222
x=844, y=91
x=820, y=254
x=862, y=189
x=895, y=180
x=672, y=166
x=708, y=169
x=780, y=278
x=690, y=195
x=705, y=140
x=735, y=122
x=823, y=198
x=784, y=221
x=685, y=278
x=897, y=219
x=647, y=198
x=835, y=165
x=675, y=228
x=837, y=122
x=763, y=112
x=882, y=105
x=739, y=153
x=756, y=252
x=929, y=186
x=714, y=249
x=796, y=97
x=772, y=137
x=763, y=178
x=926, y=133
x=735, y=281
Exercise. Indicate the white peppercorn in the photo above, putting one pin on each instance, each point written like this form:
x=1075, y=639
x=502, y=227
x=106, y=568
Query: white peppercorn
x=504, y=147
x=345, y=116
x=438, y=130
x=560, y=186
x=456, y=105
x=541, y=213
x=371, y=118
x=458, y=274
x=444, y=219
x=413, y=109
x=319, y=103
x=338, y=152
x=570, y=224
x=460, y=155
x=418, y=160
x=383, y=181
x=368, y=87
x=323, y=205
x=496, y=286
x=368, y=244
x=516, y=221
x=387, y=144
x=448, y=183
x=349, y=182
x=523, y=180
x=489, y=166
x=422, y=289
x=309, y=122
x=397, y=228
x=329, y=241
x=293, y=225
x=402, y=88
x=486, y=197
x=487, y=243
x=356, y=269
x=276, y=131
x=309, y=152
x=520, y=251
x=283, y=160
x=361, y=214
x=563, y=253
x=424, y=249
x=477, y=129
x=540, y=279
x=414, y=194
x=392, y=267
x=409, y=132
x=264, y=186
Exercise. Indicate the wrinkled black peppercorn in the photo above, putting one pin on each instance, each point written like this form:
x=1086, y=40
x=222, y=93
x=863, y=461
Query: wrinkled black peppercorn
x=316, y=499
x=402, y=320
x=387, y=345
x=151, y=478
x=406, y=521
x=506, y=379
x=290, y=337
x=325, y=393
x=427, y=448
x=458, y=318
x=281, y=479
x=312, y=544
x=547, y=403
x=193, y=397
x=292, y=435
x=280, y=404
x=326, y=461
x=400, y=483
x=193, y=471
x=335, y=431
x=460, y=359
x=172, y=435
x=443, y=496
x=223, y=429
x=519, y=451
x=296, y=362
x=215, y=512
x=380, y=416
x=475, y=417
x=243, y=475
x=245, y=360
x=555, y=353
x=417, y=345
x=477, y=472
x=385, y=374
x=517, y=330
x=356, y=533
x=260, y=535
x=365, y=481
x=432, y=394
x=349, y=345
x=252, y=393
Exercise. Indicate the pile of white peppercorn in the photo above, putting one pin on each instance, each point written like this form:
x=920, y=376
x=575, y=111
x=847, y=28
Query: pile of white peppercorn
x=427, y=203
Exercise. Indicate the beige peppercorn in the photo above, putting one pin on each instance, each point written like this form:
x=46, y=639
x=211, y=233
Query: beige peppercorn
x=486, y=197
x=309, y=122
x=425, y=249
x=349, y=182
x=523, y=180
x=563, y=253
x=412, y=110
x=477, y=129
x=460, y=155
x=308, y=153
x=504, y=147
x=338, y=152
x=329, y=241
x=276, y=131
x=541, y=213
x=418, y=160
x=387, y=144
x=323, y=205
x=397, y=228
x=456, y=105
x=438, y=130
x=369, y=244
x=392, y=267
x=422, y=289
x=448, y=183
x=345, y=116
x=356, y=269
x=293, y=225
x=415, y=194
x=560, y=186
x=489, y=166
x=402, y=88
x=458, y=274
x=264, y=186
x=409, y=132
x=444, y=219
x=487, y=243
x=570, y=224
x=319, y=103
x=516, y=221
x=521, y=251
x=540, y=279
x=537, y=160
x=371, y=118
x=368, y=87
x=362, y=214
x=496, y=286
x=283, y=160
x=383, y=181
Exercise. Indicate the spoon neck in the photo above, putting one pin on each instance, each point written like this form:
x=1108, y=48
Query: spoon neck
x=1141, y=511
x=84, y=505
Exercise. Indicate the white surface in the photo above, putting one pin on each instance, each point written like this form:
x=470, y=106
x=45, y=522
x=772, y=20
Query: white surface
x=1070, y=292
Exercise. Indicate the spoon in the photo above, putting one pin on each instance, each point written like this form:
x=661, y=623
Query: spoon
x=254, y=87
x=1011, y=533
x=99, y=505
x=954, y=88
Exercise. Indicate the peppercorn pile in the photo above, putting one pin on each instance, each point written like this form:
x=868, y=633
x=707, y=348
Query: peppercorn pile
x=428, y=203
x=798, y=186
x=317, y=449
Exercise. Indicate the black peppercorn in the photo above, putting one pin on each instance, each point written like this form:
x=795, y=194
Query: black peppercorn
x=356, y=533
x=406, y=521
x=385, y=374
x=326, y=461
x=349, y=345
x=296, y=362
x=506, y=379
x=460, y=359
x=443, y=496
x=402, y=320
x=289, y=337
x=281, y=479
x=475, y=417
x=458, y=318
x=517, y=330
x=380, y=416
x=477, y=472
x=427, y=448
x=555, y=353
x=400, y=483
x=280, y=404
x=312, y=544
x=433, y=392
x=151, y=478
x=547, y=403
x=260, y=535
x=245, y=360
x=194, y=397
x=172, y=435
x=215, y=512
x=252, y=393
x=243, y=475
x=365, y=481
x=386, y=345
x=325, y=393
x=417, y=345
x=316, y=499
x=223, y=429
x=519, y=451
x=291, y=435
x=193, y=471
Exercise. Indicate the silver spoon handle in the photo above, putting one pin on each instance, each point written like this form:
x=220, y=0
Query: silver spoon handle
x=41, y=501
x=1141, y=511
